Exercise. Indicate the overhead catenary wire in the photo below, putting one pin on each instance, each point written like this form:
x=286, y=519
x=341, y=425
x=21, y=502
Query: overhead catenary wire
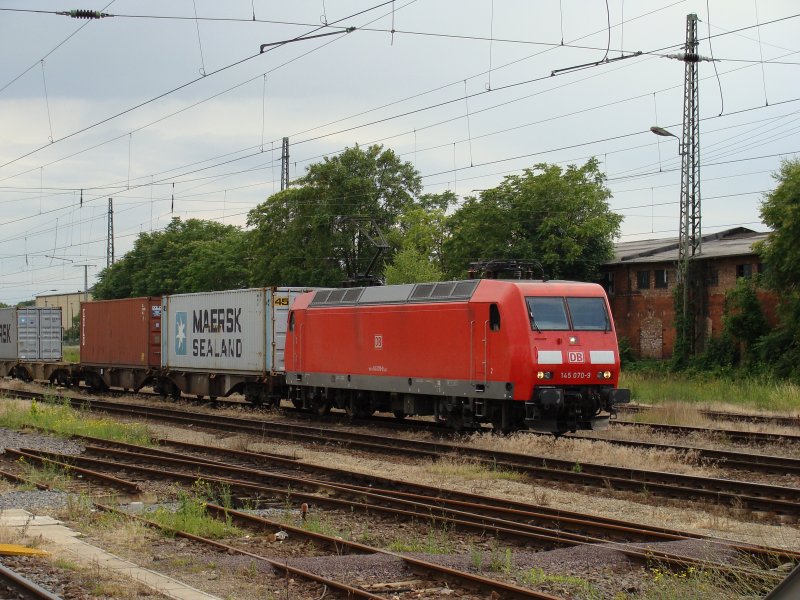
x=462, y=155
x=178, y=88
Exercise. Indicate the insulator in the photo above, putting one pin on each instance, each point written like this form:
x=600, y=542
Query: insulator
x=86, y=14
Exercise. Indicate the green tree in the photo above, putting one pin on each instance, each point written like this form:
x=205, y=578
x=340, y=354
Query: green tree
x=780, y=252
x=419, y=237
x=317, y=232
x=559, y=217
x=780, y=211
x=187, y=256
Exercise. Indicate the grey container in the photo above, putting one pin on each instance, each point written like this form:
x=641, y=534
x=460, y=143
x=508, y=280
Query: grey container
x=30, y=334
x=236, y=331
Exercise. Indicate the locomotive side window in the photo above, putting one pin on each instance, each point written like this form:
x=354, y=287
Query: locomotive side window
x=494, y=317
x=588, y=314
x=291, y=320
x=547, y=312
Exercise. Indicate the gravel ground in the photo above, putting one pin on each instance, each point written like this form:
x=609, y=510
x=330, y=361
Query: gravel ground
x=71, y=584
x=16, y=440
x=580, y=572
x=35, y=501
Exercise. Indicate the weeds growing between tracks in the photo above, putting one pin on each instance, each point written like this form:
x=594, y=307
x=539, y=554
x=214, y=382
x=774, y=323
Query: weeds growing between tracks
x=62, y=420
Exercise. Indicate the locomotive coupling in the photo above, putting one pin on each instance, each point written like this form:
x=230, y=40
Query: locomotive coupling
x=618, y=396
x=550, y=398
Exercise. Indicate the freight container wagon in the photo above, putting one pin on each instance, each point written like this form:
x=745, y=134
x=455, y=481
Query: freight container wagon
x=120, y=342
x=30, y=342
x=218, y=343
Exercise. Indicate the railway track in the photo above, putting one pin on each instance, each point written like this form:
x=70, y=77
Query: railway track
x=771, y=499
x=502, y=522
x=766, y=498
x=725, y=434
x=718, y=415
x=730, y=459
x=23, y=587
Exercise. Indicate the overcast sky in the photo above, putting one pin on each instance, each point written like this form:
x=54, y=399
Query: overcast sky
x=151, y=104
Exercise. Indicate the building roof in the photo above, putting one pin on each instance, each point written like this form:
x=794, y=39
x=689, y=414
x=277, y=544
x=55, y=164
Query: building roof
x=731, y=242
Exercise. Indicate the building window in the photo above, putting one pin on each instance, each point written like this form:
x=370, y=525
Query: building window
x=660, y=278
x=607, y=281
x=713, y=277
x=643, y=280
x=745, y=271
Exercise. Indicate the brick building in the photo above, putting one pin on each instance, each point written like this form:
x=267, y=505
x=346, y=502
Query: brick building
x=641, y=278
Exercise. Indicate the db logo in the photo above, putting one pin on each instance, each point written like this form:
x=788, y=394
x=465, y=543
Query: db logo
x=575, y=357
x=378, y=342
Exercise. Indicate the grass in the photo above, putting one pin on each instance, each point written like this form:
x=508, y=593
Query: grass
x=660, y=386
x=191, y=517
x=46, y=473
x=65, y=421
x=71, y=353
x=576, y=585
x=436, y=541
x=697, y=584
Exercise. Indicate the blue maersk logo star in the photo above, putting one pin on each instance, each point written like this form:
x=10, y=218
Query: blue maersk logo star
x=180, y=333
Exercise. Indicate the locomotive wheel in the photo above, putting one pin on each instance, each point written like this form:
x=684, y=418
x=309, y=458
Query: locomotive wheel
x=358, y=411
x=399, y=415
x=320, y=407
x=497, y=425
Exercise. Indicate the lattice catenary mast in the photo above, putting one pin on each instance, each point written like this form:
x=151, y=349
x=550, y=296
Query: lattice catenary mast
x=110, y=246
x=285, y=164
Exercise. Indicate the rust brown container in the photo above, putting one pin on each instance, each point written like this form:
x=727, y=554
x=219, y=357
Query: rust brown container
x=121, y=333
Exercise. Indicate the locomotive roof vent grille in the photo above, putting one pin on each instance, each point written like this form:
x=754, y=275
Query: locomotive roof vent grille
x=397, y=294
x=336, y=296
x=422, y=291
x=443, y=290
x=465, y=289
x=352, y=295
x=321, y=297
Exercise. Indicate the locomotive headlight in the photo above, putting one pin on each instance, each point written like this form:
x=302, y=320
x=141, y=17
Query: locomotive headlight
x=544, y=375
x=573, y=339
x=606, y=374
x=540, y=375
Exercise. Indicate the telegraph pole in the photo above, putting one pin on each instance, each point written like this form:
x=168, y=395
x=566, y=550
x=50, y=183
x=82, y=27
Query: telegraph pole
x=110, y=245
x=285, y=164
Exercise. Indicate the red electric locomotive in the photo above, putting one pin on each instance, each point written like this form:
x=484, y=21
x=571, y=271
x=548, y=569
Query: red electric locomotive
x=517, y=354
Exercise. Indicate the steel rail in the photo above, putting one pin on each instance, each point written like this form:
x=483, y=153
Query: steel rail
x=348, y=590
x=413, y=506
x=25, y=587
x=719, y=415
x=768, y=498
x=27, y=453
x=486, y=505
x=761, y=463
x=730, y=434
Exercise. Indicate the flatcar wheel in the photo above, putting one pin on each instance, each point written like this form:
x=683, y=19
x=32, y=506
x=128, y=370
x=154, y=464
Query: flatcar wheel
x=399, y=415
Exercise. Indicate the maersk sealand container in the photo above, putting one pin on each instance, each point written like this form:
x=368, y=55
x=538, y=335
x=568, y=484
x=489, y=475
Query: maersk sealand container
x=30, y=334
x=236, y=331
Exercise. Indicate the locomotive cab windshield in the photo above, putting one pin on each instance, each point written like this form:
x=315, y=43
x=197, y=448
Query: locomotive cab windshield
x=553, y=313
